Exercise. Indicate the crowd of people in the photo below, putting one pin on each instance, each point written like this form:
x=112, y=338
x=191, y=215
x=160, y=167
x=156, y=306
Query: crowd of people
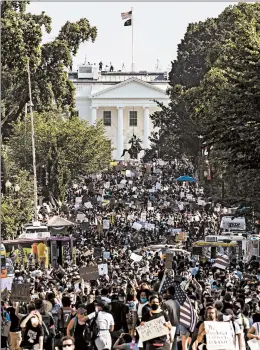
x=122, y=211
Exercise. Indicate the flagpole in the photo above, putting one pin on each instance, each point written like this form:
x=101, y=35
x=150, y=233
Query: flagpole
x=132, y=20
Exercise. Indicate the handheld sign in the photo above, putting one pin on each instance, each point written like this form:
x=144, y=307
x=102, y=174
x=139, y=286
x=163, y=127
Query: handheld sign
x=89, y=273
x=20, y=292
x=152, y=329
x=219, y=335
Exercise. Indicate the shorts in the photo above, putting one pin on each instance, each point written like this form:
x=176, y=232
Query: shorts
x=184, y=331
x=103, y=343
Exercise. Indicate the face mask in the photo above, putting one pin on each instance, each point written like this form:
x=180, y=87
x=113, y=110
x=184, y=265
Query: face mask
x=226, y=318
x=96, y=309
x=143, y=300
x=154, y=307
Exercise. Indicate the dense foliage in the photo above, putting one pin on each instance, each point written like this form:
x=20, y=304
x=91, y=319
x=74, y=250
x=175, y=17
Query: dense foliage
x=65, y=148
x=215, y=92
x=21, y=41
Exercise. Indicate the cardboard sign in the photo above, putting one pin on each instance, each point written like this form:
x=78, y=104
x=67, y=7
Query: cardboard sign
x=168, y=261
x=89, y=273
x=20, y=292
x=219, y=335
x=152, y=329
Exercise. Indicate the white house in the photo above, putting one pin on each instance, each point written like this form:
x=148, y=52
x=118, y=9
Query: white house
x=123, y=100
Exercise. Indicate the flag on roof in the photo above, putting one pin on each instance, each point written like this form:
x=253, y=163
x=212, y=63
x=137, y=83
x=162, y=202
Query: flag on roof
x=126, y=15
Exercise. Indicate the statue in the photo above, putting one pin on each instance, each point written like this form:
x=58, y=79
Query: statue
x=134, y=149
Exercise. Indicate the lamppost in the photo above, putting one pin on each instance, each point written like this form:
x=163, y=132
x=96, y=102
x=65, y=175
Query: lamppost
x=200, y=137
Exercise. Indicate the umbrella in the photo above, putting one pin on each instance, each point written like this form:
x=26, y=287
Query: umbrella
x=186, y=178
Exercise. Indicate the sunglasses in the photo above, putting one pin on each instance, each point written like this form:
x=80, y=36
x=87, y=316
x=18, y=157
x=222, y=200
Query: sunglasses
x=66, y=345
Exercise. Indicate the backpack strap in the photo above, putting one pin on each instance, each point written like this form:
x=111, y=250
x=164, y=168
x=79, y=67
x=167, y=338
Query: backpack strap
x=75, y=323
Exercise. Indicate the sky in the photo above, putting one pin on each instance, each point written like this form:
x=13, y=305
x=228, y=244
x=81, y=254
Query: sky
x=158, y=29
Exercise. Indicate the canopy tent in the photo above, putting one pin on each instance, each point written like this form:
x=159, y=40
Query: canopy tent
x=59, y=225
x=186, y=178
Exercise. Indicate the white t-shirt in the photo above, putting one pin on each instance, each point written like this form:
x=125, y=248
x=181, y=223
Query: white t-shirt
x=243, y=324
x=256, y=326
x=237, y=331
x=104, y=321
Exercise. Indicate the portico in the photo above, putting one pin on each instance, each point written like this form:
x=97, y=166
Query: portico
x=125, y=109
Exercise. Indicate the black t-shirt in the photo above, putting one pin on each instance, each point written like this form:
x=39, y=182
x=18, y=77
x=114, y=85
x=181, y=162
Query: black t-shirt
x=31, y=335
x=149, y=316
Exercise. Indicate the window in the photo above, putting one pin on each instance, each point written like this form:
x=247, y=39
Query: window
x=107, y=118
x=85, y=70
x=133, y=118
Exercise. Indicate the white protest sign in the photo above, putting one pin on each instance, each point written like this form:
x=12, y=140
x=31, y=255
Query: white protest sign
x=80, y=217
x=152, y=328
x=120, y=186
x=6, y=283
x=136, y=257
x=128, y=173
x=106, y=224
x=88, y=205
x=219, y=335
x=158, y=186
x=189, y=196
x=107, y=185
x=254, y=344
x=102, y=269
x=143, y=217
x=137, y=226
x=78, y=199
x=123, y=182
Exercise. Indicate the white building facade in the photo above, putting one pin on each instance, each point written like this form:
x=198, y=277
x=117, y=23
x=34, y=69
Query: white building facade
x=124, y=101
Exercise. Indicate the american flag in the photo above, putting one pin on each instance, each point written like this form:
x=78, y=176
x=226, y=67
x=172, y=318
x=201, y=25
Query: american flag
x=166, y=282
x=188, y=316
x=126, y=15
x=222, y=262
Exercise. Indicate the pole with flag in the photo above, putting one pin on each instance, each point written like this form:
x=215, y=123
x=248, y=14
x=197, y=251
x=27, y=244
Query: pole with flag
x=128, y=16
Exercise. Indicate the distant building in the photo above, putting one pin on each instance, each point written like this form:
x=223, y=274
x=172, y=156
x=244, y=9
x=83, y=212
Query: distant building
x=123, y=100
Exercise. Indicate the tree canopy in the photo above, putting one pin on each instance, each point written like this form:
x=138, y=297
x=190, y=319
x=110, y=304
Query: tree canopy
x=65, y=148
x=217, y=76
x=21, y=41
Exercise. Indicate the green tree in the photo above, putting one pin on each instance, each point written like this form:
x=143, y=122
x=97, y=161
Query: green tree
x=16, y=206
x=21, y=41
x=66, y=147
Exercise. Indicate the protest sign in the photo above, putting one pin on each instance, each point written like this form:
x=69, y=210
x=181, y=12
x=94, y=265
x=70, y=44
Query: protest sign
x=143, y=217
x=106, y=224
x=6, y=283
x=106, y=255
x=88, y=205
x=89, y=273
x=137, y=226
x=20, y=292
x=219, y=336
x=80, y=217
x=78, y=200
x=136, y=257
x=254, y=344
x=152, y=329
x=97, y=252
x=102, y=269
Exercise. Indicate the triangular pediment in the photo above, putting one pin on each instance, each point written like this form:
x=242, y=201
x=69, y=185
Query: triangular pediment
x=131, y=88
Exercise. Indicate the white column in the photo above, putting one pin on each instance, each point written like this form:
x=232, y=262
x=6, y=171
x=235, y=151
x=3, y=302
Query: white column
x=146, y=141
x=120, y=132
x=94, y=115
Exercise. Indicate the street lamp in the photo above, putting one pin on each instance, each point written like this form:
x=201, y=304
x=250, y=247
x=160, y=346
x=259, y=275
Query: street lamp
x=8, y=185
x=16, y=188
